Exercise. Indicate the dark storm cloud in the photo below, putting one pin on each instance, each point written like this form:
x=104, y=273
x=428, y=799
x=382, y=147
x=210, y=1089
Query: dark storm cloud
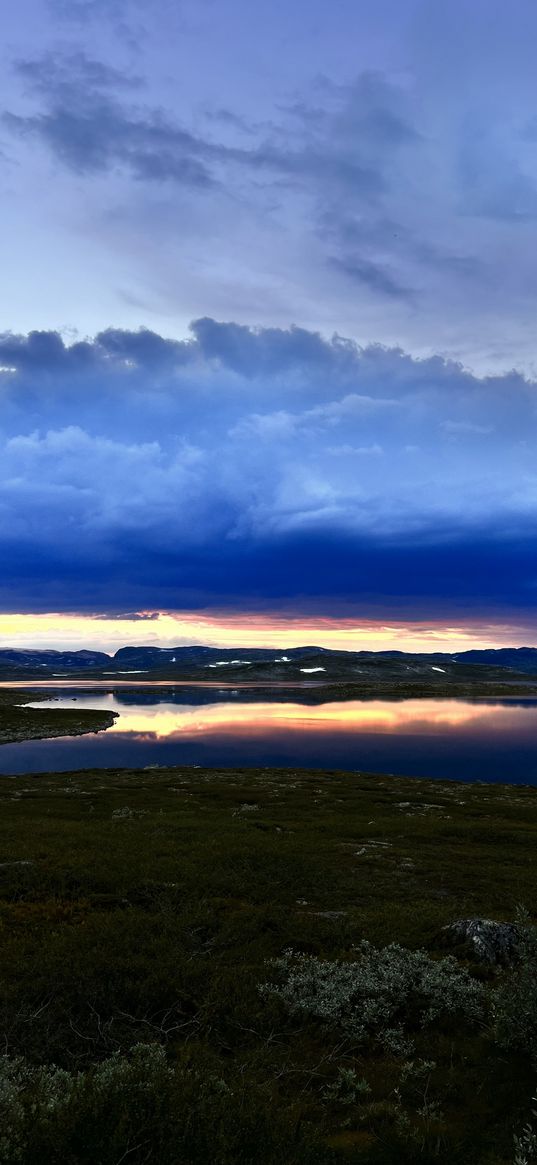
x=308, y=572
x=255, y=352
x=354, y=152
x=377, y=278
x=235, y=467
x=62, y=77
x=345, y=151
x=143, y=347
x=371, y=171
x=46, y=355
x=90, y=130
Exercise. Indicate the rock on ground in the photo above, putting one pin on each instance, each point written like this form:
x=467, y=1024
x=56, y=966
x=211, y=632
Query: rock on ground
x=495, y=943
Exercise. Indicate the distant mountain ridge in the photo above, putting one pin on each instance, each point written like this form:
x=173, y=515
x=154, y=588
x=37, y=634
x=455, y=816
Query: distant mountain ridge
x=521, y=659
x=26, y=663
x=201, y=654
x=49, y=659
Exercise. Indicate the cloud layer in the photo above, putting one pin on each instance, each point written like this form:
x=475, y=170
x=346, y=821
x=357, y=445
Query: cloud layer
x=356, y=187
x=370, y=174
x=261, y=468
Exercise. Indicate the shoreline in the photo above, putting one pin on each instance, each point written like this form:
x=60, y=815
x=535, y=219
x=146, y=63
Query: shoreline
x=20, y=724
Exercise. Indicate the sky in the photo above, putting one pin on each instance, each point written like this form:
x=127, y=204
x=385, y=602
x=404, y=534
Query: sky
x=267, y=341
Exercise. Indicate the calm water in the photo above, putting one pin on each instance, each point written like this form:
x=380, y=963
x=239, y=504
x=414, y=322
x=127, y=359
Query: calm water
x=459, y=739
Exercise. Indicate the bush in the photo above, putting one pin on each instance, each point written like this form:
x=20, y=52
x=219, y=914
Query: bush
x=379, y=995
x=28, y=1095
x=141, y=1109
x=525, y=1142
x=515, y=1000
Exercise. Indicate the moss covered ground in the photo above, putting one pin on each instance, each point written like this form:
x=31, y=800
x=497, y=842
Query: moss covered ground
x=18, y=723
x=142, y=907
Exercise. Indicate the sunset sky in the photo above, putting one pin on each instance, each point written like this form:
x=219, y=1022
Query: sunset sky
x=268, y=363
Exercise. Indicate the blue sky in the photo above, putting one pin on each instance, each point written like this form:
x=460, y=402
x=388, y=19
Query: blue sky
x=268, y=308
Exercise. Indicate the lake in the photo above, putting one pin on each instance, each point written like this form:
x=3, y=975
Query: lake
x=485, y=740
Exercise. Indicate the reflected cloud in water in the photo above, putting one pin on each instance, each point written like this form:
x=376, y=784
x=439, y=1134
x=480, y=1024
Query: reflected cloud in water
x=168, y=721
x=487, y=740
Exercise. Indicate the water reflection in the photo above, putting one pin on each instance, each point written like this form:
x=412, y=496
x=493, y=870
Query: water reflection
x=167, y=716
x=220, y=727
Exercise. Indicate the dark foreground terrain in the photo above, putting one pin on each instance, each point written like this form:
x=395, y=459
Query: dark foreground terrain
x=142, y=1019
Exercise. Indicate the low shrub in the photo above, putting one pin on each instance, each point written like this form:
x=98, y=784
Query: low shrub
x=381, y=995
x=525, y=1141
x=139, y=1108
x=515, y=1000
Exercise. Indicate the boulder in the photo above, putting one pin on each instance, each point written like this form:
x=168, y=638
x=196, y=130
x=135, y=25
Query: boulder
x=495, y=943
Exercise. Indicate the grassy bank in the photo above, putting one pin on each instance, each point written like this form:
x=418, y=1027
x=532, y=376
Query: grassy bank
x=18, y=723
x=144, y=908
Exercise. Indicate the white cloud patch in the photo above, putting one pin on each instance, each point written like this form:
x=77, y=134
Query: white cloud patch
x=462, y=427
x=374, y=450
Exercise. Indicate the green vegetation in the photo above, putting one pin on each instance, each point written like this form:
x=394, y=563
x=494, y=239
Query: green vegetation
x=18, y=723
x=249, y=967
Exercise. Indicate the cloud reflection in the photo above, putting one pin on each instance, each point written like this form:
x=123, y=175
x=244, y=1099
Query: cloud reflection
x=171, y=721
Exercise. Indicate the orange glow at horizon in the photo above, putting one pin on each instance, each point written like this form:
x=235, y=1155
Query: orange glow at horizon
x=256, y=719
x=219, y=629
x=170, y=722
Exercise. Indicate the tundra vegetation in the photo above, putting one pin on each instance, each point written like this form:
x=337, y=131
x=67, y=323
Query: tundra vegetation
x=18, y=722
x=250, y=967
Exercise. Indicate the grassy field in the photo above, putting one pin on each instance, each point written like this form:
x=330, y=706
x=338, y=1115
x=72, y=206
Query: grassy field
x=144, y=908
x=19, y=723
